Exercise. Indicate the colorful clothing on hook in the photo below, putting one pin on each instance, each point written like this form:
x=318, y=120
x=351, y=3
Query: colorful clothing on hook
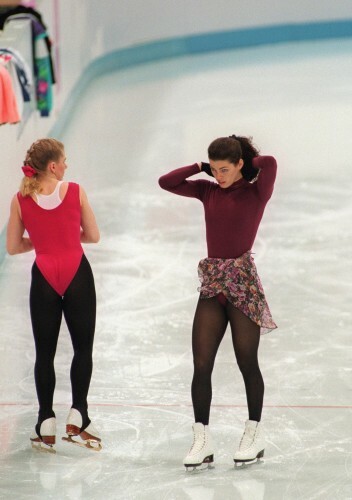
x=42, y=59
x=9, y=112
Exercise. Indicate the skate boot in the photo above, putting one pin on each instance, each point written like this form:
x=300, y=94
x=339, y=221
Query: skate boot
x=201, y=454
x=87, y=437
x=45, y=436
x=252, y=444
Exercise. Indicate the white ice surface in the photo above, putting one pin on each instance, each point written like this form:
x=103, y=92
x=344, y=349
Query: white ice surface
x=128, y=129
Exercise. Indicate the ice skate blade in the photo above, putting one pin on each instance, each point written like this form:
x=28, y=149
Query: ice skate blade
x=42, y=447
x=201, y=467
x=84, y=444
x=243, y=463
x=206, y=464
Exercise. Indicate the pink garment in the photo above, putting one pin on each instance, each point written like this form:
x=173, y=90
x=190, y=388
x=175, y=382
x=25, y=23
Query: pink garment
x=8, y=61
x=8, y=104
x=55, y=235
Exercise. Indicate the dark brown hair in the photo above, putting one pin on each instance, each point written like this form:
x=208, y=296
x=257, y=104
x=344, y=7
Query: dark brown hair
x=232, y=149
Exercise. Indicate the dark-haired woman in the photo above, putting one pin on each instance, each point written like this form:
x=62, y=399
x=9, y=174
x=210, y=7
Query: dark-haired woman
x=230, y=292
x=58, y=218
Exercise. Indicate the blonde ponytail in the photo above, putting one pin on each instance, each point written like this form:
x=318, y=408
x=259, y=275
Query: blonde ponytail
x=29, y=185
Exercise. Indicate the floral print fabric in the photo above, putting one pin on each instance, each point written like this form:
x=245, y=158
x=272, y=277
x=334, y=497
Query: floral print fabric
x=238, y=280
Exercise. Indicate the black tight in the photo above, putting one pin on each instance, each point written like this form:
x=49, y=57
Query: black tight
x=78, y=306
x=210, y=322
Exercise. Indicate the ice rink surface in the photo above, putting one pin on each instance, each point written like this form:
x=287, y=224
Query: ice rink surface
x=129, y=128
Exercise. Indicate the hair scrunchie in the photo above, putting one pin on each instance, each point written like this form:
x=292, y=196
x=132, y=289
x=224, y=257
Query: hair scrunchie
x=28, y=171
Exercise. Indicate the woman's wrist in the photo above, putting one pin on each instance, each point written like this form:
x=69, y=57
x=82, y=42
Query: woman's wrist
x=205, y=167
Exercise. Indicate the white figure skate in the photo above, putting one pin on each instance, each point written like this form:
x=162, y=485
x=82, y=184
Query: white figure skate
x=201, y=454
x=87, y=438
x=44, y=437
x=252, y=444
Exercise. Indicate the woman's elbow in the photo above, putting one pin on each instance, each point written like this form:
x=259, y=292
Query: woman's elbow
x=11, y=249
x=163, y=182
x=96, y=235
x=92, y=237
x=96, y=238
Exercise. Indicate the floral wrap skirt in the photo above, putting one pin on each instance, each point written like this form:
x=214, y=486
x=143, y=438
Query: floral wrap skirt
x=238, y=280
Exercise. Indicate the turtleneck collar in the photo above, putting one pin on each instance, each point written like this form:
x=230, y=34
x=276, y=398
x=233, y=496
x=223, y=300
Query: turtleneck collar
x=237, y=184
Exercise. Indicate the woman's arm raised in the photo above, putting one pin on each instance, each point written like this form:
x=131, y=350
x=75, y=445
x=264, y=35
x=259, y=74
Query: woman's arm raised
x=175, y=181
x=267, y=175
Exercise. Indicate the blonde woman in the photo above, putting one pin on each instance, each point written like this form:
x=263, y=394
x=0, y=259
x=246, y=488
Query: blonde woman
x=57, y=218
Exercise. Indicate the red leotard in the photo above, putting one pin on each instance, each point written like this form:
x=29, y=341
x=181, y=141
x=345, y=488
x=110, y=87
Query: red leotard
x=55, y=235
x=233, y=214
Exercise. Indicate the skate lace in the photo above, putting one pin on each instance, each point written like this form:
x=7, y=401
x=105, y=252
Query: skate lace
x=198, y=444
x=247, y=439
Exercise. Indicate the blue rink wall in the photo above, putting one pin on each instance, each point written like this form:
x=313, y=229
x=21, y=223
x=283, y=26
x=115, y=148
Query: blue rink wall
x=197, y=44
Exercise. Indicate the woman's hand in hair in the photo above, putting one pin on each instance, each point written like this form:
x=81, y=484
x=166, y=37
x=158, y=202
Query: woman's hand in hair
x=205, y=167
x=249, y=172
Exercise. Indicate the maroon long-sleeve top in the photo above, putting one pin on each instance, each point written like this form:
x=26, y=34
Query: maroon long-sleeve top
x=233, y=214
